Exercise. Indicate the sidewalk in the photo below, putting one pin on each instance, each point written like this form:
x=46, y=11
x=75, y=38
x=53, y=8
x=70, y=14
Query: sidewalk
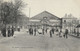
x=16, y=33
x=74, y=35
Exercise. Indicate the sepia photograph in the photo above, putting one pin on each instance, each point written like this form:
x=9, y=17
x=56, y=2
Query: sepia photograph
x=39, y=25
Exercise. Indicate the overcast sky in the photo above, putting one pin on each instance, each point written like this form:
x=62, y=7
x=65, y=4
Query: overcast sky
x=56, y=7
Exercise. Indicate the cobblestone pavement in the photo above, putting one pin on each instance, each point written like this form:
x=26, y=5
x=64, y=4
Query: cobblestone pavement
x=22, y=41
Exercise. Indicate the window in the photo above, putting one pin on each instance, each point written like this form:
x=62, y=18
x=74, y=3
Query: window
x=64, y=21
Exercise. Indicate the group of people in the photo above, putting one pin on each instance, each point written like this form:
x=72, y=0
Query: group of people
x=51, y=32
x=31, y=31
x=34, y=31
x=65, y=33
x=9, y=30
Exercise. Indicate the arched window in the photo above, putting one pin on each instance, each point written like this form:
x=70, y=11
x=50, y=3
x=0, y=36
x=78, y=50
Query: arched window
x=44, y=17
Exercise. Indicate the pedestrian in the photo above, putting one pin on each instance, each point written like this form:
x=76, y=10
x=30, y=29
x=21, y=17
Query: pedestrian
x=12, y=30
x=9, y=32
x=43, y=31
x=51, y=33
x=35, y=32
x=60, y=33
x=46, y=30
x=3, y=31
x=57, y=31
x=31, y=31
x=18, y=28
x=66, y=33
x=52, y=30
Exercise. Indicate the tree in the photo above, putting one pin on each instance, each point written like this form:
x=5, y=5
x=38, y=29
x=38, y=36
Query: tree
x=17, y=9
x=10, y=12
x=4, y=12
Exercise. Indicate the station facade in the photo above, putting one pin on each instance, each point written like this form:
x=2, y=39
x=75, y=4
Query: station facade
x=45, y=20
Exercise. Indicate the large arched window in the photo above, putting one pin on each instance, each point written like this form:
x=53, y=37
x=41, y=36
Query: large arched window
x=44, y=20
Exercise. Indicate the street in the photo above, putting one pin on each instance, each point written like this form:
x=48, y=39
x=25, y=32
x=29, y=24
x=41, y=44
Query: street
x=22, y=41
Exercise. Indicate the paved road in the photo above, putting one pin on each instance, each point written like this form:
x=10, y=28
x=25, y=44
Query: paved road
x=25, y=42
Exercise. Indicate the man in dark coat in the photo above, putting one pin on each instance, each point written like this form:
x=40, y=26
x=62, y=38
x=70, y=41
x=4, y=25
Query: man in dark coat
x=66, y=33
x=51, y=33
x=12, y=30
x=30, y=31
x=4, y=31
x=9, y=32
x=53, y=30
x=43, y=31
x=46, y=30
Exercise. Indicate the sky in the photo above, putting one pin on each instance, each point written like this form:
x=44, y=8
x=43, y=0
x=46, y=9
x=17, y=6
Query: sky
x=56, y=7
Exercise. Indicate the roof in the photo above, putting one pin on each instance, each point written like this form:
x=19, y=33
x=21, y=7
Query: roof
x=70, y=16
x=45, y=14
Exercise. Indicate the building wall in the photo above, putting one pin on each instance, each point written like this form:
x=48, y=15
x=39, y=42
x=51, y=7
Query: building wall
x=70, y=23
